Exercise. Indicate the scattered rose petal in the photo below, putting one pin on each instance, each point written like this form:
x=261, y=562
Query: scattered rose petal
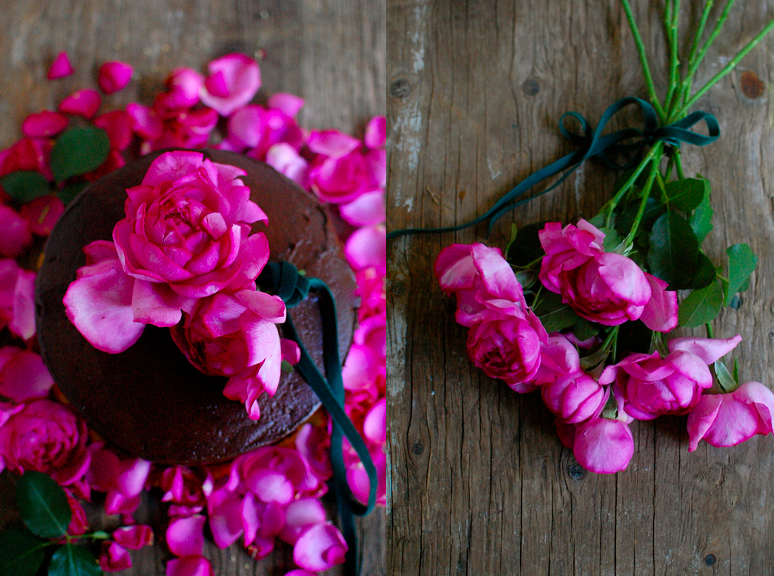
x=60, y=67
x=233, y=81
x=44, y=124
x=320, y=548
x=81, y=103
x=114, y=76
x=42, y=214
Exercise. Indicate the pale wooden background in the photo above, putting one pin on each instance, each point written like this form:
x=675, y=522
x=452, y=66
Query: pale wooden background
x=479, y=483
x=331, y=52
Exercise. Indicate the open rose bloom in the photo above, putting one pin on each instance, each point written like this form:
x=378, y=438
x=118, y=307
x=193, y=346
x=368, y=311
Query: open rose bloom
x=185, y=249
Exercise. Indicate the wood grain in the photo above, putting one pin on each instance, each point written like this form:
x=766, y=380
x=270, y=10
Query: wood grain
x=478, y=481
x=331, y=52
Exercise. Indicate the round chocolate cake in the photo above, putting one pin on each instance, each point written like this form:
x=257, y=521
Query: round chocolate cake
x=149, y=401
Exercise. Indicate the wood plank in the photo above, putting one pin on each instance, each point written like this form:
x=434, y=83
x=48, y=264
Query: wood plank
x=331, y=52
x=478, y=481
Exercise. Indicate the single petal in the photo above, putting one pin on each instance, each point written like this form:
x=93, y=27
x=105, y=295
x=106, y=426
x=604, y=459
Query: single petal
x=44, y=124
x=320, y=548
x=16, y=236
x=60, y=67
x=134, y=537
x=185, y=536
x=114, y=76
x=81, y=103
x=365, y=210
x=367, y=247
x=115, y=558
x=289, y=104
x=709, y=350
x=235, y=78
x=156, y=304
x=189, y=566
x=332, y=143
x=24, y=377
x=604, y=446
x=301, y=515
x=376, y=132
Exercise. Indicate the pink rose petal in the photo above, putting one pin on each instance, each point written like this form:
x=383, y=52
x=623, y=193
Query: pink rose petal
x=42, y=214
x=320, y=548
x=288, y=104
x=16, y=236
x=81, y=103
x=233, y=81
x=114, y=76
x=44, y=124
x=185, y=536
x=60, y=67
x=189, y=566
x=604, y=446
x=365, y=210
x=134, y=537
x=376, y=132
x=118, y=125
x=24, y=376
x=367, y=247
x=115, y=558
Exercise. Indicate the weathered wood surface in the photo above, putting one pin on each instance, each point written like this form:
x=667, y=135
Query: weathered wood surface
x=331, y=52
x=479, y=483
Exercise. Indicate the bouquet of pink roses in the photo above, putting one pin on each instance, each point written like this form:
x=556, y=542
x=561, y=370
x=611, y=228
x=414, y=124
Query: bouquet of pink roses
x=584, y=312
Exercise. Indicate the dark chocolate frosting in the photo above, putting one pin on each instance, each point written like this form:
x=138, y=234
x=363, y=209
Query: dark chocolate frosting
x=149, y=401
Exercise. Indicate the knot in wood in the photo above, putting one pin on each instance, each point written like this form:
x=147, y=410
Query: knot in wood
x=400, y=88
x=576, y=471
x=418, y=448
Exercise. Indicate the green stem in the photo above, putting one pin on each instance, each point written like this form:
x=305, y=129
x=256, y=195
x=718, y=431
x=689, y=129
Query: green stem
x=643, y=58
x=645, y=193
x=686, y=90
x=612, y=334
x=662, y=188
x=670, y=165
x=730, y=66
x=610, y=206
x=679, y=165
x=672, y=33
x=710, y=334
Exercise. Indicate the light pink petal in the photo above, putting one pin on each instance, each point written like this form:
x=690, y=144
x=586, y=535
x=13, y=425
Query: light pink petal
x=320, y=548
x=604, y=446
x=60, y=67
x=624, y=278
x=190, y=566
x=365, y=210
x=44, y=124
x=250, y=519
x=81, y=103
x=496, y=273
x=245, y=126
x=702, y=417
x=709, y=350
x=236, y=79
x=690, y=366
x=226, y=521
x=660, y=313
x=16, y=236
x=367, y=247
x=735, y=421
x=172, y=166
x=376, y=132
x=285, y=159
x=762, y=398
x=270, y=486
x=270, y=308
x=24, y=377
x=375, y=423
x=288, y=104
x=134, y=537
x=100, y=307
x=301, y=515
x=454, y=268
x=185, y=536
x=23, y=322
x=332, y=143
x=184, y=85
x=154, y=303
x=114, y=76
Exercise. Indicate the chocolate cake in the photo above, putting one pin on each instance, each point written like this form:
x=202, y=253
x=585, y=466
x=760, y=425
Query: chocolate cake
x=149, y=401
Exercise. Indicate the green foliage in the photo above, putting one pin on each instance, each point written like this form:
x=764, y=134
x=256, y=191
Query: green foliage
x=25, y=185
x=701, y=219
x=71, y=560
x=687, y=194
x=553, y=313
x=21, y=553
x=673, y=250
x=701, y=306
x=705, y=272
x=79, y=151
x=525, y=247
x=741, y=263
x=727, y=381
x=43, y=505
x=625, y=220
x=584, y=329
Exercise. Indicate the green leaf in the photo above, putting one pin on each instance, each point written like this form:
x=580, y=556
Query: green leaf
x=25, y=185
x=705, y=272
x=612, y=239
x=553, y=313
x=741, y=263
x=70, y=191
x=79, y=151
x=588, y=362
x=43, y=505
x=597, y=221
x=701, y=219
x=625, y=220
x=583, y=329
x=72, y=560
x=526, y=278
x=701, y=306
x=686, y=195
x=526, y=248
x=673, y=250
x=286, y=367
x=514, y=231
x=21, y=553
x=736, y=370
x=727, y=381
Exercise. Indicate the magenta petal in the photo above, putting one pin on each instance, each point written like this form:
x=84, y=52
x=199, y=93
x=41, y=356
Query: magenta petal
x=154, y=303
x=236, y=78
x=375, y=423
x=299, y=516
x=134, y=537
x=762, y=398
x=145, y=122
x=604, y=446
x=376, y=132
x=115, y=558
x=266, y=306
x=366, y=209
x=42, y=213
x=290, y=351
x=190, y=566
x=23, y=322
x=288, y=104
x=185, y=536
x=286, y=160
x=710, y=350
x=660, y=313
x=16, y=234
x=367, y=247
x=270, y=486
x=24, y=377
x=332, y=143
x=81, y=103
x=118, y=125
x=100, y=306
x=245, y=126
x=734, y=422
x=60, y=67
x=320, y=548
x=44, y=125
x=250, y=519
x=113, y=76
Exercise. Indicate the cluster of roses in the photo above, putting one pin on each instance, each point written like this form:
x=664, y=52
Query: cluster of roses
x=594, y=403
x=338, y=168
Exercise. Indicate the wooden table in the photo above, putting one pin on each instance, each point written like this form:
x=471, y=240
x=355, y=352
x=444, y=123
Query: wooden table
x=479, y=482
x=331, y=52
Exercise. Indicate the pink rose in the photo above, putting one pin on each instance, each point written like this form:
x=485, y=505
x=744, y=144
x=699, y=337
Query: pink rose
x=48, y=437
x=505, y=336
x=730, y=419
x=600, y=286
x=651, y=385
x=236, y=336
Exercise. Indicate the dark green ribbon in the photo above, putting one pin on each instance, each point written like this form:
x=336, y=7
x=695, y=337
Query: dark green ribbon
x=592, y=144
x=293, y=288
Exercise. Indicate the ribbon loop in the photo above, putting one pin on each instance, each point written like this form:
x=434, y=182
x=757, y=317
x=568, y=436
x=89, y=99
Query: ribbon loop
x=630, y=142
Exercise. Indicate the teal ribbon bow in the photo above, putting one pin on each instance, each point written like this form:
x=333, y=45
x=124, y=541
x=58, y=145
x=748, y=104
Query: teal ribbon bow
x=592, y=144
x=293, y=288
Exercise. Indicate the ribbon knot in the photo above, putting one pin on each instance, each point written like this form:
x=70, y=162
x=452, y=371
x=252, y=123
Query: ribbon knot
x=591, y=143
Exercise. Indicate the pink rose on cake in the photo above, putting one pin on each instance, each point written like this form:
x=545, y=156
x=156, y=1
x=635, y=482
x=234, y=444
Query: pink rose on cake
x=185, y=237
x=600, y=286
